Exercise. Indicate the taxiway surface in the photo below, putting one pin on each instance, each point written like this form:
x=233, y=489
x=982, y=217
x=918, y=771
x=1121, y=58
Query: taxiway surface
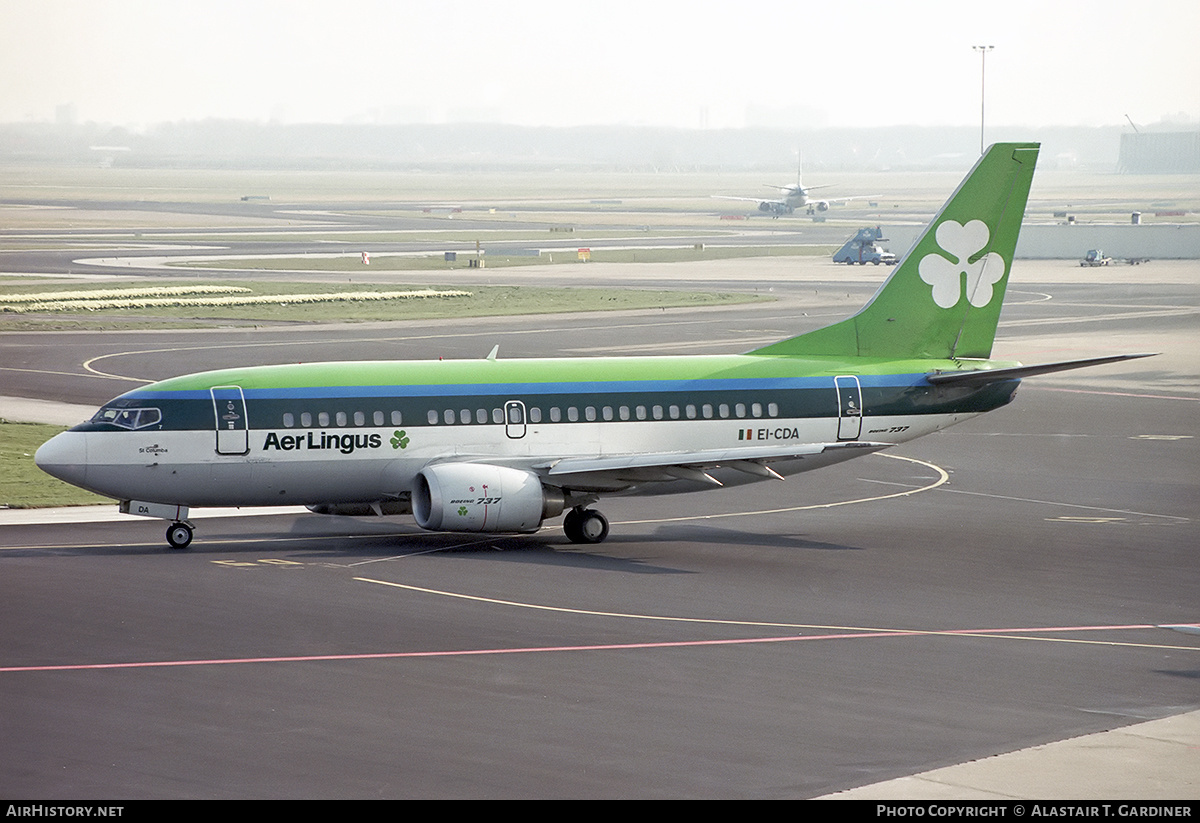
x=1017, y=580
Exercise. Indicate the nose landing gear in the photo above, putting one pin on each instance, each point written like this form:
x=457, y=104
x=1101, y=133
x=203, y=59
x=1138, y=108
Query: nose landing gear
x=179, y=535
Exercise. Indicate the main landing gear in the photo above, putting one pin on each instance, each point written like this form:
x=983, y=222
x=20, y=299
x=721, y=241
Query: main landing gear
x=585, y=526
x=179, y=535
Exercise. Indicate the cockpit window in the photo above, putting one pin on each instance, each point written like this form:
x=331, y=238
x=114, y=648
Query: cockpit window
x=128, y=418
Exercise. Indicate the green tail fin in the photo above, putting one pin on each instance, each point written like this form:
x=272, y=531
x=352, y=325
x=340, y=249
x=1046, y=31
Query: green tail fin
x=943, y=300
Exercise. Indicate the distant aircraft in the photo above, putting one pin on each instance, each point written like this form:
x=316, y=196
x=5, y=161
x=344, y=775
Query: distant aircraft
x=791, y=198
x=497, y=445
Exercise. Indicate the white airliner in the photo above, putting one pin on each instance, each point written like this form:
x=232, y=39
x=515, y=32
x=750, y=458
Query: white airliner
x=792, y=198
x=497, y=445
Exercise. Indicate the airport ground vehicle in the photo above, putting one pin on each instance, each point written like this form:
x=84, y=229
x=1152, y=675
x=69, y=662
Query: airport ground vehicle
x=864, y=248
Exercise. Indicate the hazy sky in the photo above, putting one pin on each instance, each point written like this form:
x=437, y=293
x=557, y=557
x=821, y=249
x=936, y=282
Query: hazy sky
x=571, y=62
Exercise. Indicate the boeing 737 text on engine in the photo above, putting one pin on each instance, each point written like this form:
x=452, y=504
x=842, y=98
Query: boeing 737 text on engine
x=499, y=445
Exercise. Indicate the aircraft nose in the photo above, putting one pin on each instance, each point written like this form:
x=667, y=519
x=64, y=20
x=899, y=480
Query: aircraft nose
x=64, y=456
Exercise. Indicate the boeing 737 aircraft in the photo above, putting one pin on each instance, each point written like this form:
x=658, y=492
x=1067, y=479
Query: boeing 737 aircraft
x=792, y=198
x=498, y=445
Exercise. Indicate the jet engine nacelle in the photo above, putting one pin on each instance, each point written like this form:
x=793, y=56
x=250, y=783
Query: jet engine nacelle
x=822, y=205
x=477, y=497
x=772, y=207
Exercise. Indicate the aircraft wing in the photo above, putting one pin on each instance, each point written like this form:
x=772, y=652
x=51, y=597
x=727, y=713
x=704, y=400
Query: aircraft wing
x=841, y=200
x=623, y=470
x=748, y=199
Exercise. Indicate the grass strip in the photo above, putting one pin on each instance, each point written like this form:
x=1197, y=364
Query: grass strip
x=284, y=305
x=22, y=484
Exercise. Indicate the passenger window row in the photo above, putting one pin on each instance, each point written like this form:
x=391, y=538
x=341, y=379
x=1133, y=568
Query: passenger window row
x=340, y=419
x=554, y=414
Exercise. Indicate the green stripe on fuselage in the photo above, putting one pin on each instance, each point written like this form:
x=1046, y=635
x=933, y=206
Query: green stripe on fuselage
x=562, y=371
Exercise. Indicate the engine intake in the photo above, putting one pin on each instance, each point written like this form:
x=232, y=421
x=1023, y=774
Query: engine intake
x=477, y=497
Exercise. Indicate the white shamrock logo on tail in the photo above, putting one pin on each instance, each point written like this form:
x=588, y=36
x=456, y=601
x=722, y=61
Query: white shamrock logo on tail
x=961, y=242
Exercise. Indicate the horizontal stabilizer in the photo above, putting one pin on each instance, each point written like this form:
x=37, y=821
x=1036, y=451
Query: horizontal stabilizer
x=1016, y=372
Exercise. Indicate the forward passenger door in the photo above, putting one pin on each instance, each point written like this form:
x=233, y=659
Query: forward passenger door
x=233, y=429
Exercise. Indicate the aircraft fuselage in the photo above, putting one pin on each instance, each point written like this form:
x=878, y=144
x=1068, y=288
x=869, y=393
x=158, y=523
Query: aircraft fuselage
x=342, y=433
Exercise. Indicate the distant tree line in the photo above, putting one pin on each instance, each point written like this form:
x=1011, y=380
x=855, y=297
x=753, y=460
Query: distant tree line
x=496, y=147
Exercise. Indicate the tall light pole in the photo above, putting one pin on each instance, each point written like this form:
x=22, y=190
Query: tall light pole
x=983, y=50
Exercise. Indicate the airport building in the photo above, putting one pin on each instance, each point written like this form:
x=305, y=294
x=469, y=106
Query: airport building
x=1173, y=152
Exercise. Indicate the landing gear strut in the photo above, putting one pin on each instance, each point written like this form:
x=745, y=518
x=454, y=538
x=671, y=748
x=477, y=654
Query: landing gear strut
x=585, y=526
x=179, y=535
